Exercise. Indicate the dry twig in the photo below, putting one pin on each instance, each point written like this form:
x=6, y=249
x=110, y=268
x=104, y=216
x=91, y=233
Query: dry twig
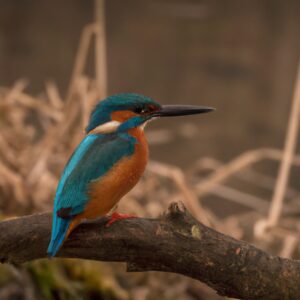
x=100, y=49
x=191, y=199
x=289, y=149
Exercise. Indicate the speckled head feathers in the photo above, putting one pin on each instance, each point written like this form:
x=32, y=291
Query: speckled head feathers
x=120, y=102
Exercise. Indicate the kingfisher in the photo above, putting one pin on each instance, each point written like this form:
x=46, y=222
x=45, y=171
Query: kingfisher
x=108, y=162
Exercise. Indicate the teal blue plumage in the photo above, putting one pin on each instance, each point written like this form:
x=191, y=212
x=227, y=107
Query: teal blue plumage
x=102, y=112
x=93, y=158
x=97, y=154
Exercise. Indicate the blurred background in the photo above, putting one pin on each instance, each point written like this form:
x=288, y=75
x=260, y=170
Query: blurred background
x=58, y=58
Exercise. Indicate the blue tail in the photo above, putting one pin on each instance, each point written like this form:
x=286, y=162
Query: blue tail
x=59, y=230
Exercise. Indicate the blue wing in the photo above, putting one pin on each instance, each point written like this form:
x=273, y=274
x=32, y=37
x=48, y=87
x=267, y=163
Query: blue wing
x=92, y=159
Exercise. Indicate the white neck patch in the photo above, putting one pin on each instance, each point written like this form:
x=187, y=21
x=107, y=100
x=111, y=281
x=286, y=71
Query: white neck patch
x=108, y=127
x=145, y=123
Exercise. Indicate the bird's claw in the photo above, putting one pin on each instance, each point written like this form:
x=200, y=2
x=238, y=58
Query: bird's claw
x=116, y=216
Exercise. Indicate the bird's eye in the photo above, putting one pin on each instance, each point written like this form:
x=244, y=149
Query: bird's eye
x=140, y=110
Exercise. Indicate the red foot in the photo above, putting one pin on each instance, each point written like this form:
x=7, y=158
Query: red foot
x=116, y=216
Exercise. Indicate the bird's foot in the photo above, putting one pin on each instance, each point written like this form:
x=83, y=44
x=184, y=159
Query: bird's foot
x=116, y=216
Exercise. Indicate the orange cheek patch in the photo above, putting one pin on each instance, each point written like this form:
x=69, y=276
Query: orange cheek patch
x=122, y=115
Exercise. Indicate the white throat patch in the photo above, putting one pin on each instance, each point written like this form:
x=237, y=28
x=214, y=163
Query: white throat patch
x=145, y=123
x=108, y=127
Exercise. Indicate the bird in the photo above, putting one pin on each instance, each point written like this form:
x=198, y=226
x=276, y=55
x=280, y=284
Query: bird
x=108, y=162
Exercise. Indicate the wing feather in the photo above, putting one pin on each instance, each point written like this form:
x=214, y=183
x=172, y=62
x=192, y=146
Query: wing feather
x=93, y=158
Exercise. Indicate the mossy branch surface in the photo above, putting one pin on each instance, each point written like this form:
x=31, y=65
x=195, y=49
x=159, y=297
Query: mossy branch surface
x=175, y=242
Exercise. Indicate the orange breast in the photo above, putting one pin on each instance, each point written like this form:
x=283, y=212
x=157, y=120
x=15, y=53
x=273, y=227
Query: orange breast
x=107, y=191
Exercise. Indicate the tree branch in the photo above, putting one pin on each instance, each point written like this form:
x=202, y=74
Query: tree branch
x=173, y=243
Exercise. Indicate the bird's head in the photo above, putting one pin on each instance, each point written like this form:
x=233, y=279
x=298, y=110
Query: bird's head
x=122, y=112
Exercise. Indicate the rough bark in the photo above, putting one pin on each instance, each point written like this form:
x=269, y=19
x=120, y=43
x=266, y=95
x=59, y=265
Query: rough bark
x=173, y=243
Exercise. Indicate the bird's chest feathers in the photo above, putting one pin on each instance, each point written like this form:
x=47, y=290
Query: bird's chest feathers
x=129, y=169
x=121, y=178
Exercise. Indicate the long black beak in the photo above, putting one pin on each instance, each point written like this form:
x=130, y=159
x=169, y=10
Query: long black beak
x=181, y=110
